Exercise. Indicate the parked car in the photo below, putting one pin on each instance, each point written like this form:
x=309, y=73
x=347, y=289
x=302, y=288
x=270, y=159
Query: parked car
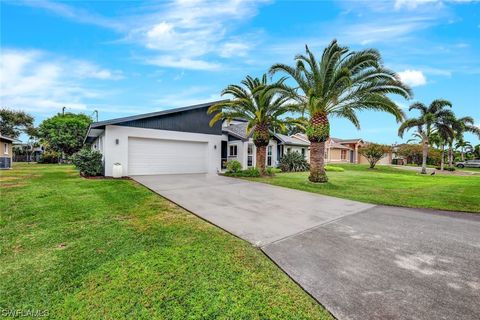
x=469, y=164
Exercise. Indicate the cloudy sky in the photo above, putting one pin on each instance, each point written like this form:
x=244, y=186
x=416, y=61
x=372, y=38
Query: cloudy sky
x=131, y=57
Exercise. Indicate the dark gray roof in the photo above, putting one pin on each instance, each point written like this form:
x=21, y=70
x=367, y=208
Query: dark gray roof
x=238, y=130
x=290, y=140
x=152, y=114
x=7, y=138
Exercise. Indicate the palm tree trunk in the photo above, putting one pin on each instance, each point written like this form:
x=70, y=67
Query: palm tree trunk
x=317, y=162
x=261, y=155
x=463, y=153
x=450, y=156
x=442, y=160
x=318, y=131
x=424, y=156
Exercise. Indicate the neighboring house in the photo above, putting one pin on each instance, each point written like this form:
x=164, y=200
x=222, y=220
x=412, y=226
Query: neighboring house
x=6, y=152
x=24, y=152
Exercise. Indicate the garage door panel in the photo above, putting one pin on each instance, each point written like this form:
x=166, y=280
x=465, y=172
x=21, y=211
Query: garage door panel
x=159, y=156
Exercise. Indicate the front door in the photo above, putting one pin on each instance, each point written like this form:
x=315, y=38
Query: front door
x=224, y=155
x=352, y=156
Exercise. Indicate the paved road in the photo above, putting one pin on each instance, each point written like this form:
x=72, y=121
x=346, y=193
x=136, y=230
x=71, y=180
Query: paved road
x=360, y=261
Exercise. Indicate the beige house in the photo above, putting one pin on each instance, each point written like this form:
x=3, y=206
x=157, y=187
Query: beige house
x=6, y=152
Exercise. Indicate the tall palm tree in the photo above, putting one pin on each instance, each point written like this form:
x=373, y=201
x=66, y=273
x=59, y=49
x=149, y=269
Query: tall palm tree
x=340, y=84
x=459, y=127
x=463, y=145
x=434, y=118
x=259, y=103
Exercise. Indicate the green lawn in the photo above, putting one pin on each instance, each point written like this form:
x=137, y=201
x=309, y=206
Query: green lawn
x=390, y=186
x=91, y=249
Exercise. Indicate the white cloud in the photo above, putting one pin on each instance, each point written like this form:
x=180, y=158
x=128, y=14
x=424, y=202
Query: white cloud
x=195, y=32
x=189, y=96
x=413, y=78
x=412, y=4
x=37, y=81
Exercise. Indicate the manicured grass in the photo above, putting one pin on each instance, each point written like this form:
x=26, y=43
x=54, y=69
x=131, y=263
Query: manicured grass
x=111, y=249
x=390, y=186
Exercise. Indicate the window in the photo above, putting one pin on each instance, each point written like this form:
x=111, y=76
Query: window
x=303, y=152
x=233, y=151
x=250, y=155
x=289, y=150
x=5, y=148
x=344, y=155
x=269, y=156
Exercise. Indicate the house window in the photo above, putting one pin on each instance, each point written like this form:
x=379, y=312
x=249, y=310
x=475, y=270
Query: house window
x=303, y=152
x=233, y=150
x=250, y=155
x=289, y=150
x=269, y=156
x=344, y=155
x=5, y=148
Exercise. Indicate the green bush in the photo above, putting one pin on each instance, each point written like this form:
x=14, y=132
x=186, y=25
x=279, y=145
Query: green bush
x=89, y=162
x=49, y=156
x=234, y=166
x=446, y=168
x=250, y=172
x=334, y=169
x=293, y=162
x=272, y=170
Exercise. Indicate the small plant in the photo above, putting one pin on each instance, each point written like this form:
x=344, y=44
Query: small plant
x=446, y=168
x=88, y=162
x=293, y=162
x=234, y=166
x=272, y=170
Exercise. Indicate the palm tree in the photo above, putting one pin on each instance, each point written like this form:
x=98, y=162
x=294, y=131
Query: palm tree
x=463, y=146
x=340, y=84
x=259, y=103
x=434, y=118
x=459, y=127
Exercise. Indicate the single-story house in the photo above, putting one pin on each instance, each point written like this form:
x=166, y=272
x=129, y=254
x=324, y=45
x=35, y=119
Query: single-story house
x=6, y=152
x=181, y=140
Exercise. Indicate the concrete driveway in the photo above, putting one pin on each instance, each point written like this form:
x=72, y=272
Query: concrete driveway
x=360, y=261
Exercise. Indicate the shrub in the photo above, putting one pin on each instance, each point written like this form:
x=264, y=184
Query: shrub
x=334, y=169
x=446, y=168
x=374, y=152
x=272, y=170
x=250, y=172
x=293, y=162
x=89, y=162
x=49, y=156
x=234, y=166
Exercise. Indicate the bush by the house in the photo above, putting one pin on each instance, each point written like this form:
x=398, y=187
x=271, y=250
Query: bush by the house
x=334, y=169
x=250, y=172
x=272, y=170
x=293, y=162
x=49, y=156
x=89, y=162
x=233, y=166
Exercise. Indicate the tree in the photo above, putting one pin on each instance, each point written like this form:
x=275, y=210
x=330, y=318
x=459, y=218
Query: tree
x=459, y=127
x=13, y=123
x=65, y=132
x=259, y=103
x=434, y=118
x=476, y=151
x=464, y=147
x=374, y=152
x=340, y=84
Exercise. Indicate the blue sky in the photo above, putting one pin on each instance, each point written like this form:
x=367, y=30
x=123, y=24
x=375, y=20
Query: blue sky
x=131, y=57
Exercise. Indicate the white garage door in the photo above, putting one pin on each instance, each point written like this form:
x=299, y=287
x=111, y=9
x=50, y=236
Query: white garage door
x=157, y=156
